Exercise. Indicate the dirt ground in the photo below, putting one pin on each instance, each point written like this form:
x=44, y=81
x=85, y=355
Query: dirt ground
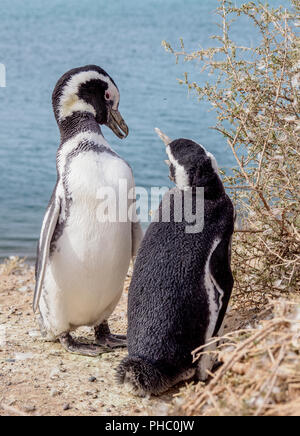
x=40, y=378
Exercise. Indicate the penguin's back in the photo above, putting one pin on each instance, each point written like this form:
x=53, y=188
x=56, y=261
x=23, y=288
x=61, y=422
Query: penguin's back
x=168, y=309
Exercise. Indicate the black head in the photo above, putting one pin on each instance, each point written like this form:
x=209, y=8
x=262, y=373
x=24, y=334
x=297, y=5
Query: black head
x=190, y=164
x=89, y=90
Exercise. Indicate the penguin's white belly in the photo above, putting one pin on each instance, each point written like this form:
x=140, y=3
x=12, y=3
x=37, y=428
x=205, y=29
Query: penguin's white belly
x=90, y=276
x=86, y=272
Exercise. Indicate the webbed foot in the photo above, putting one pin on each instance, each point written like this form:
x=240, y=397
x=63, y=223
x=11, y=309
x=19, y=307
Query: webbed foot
x=76, y=347
x=106, y=339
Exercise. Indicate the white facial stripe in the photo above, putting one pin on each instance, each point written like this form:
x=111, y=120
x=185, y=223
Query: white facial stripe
x=181, y=176
x=70, y=102
x=213, y=162
x=212, y=158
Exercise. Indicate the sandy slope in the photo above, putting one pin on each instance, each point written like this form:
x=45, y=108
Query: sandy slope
x=40, y=378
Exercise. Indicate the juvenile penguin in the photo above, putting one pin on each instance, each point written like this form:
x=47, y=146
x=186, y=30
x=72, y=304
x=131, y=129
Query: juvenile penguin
x=83, y=256
x=182, y=280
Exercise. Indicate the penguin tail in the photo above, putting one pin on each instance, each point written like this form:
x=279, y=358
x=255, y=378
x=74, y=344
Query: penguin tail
x=141, y=377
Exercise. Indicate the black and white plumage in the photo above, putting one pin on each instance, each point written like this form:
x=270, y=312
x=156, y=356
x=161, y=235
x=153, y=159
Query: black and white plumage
x=181, y=283
x=82, y=261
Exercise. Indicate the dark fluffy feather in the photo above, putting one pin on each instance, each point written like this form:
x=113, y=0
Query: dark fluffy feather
x=168, y=311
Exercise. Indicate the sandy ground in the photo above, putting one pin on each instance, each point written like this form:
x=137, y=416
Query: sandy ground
x=40, y=378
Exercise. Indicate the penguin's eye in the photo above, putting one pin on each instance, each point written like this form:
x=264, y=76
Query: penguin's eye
x=107, y=95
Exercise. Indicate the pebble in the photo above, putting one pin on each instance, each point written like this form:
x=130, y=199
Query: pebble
x=92, y=379
x=54, y=392
x=55, y=372
x=34, y=333
x=29, y=409
x=24, y=356
x=12, y=402
x=66, y=406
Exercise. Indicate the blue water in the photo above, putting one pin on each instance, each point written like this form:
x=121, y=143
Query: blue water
x=42, y=39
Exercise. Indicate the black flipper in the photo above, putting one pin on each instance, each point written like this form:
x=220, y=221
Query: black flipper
x=221, y=272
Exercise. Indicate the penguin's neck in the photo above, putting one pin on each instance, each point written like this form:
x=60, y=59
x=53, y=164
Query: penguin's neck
x=214, y=189
x=78, y=122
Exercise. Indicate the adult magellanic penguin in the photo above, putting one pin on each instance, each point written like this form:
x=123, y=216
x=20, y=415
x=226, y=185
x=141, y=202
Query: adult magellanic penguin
x=82, y=257
x=182, y=280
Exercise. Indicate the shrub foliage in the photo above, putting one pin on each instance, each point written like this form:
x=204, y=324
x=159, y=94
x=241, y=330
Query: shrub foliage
x=255, y=94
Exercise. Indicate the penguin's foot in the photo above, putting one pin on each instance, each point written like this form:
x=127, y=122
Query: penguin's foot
x=112, y=341
x=105, y=338
x=77, y=347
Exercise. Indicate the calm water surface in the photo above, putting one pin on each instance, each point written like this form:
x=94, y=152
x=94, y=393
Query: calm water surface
x=40, y=40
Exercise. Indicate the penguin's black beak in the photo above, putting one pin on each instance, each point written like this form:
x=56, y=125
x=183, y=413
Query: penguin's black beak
x=117, y=124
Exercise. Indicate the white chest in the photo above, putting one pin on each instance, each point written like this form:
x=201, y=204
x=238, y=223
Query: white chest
x=91, y=259
x=95, y=187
